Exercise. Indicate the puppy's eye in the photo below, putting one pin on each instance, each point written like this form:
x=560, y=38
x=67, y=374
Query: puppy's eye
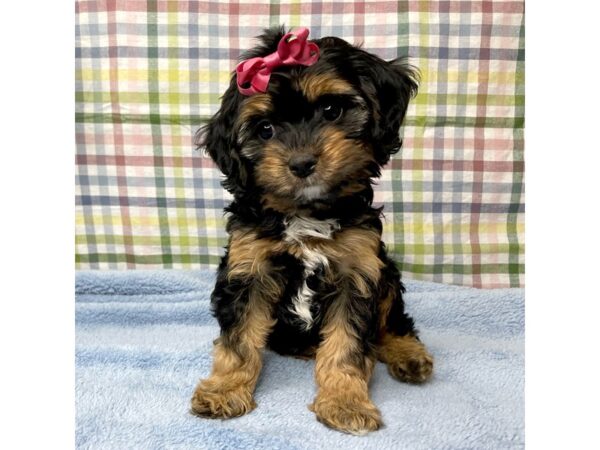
x=332, y=111
x=265, y=130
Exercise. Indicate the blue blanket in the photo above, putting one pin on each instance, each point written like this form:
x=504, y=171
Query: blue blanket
x=144, y=339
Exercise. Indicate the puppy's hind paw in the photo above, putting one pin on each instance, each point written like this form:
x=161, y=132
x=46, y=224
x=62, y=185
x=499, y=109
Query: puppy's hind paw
x=416, y=369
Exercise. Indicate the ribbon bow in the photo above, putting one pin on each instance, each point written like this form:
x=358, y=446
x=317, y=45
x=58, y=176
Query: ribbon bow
x=253, y=74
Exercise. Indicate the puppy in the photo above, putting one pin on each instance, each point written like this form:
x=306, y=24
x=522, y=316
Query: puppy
x=302, y=131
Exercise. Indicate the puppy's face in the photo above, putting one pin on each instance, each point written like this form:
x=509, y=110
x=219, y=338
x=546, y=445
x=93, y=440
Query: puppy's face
x=318, y=133
x=304, y=137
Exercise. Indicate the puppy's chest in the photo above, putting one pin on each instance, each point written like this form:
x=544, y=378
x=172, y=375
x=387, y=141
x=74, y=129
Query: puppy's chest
x=304, y=235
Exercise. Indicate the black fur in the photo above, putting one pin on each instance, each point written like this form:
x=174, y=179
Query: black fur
x=385, y=88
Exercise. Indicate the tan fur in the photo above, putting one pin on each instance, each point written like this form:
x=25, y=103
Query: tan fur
x=314, y=86
x=343, y=169
x=342, y=373
x=343, y=157
x=228, y=390
x=237, y=357
x=384, y=306
x=343, y=160
x=255, y=105
x=356, y=254
x=249, y=255
x=272, y=170
x=341, y=252
x=340, y=161
x=406, y=357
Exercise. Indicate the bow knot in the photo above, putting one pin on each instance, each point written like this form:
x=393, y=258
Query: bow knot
x=253, y=74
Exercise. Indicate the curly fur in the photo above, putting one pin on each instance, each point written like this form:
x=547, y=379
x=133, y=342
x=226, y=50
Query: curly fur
x=305, y=271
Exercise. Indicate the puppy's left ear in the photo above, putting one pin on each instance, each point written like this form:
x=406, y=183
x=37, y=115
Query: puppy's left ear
x=389, y=86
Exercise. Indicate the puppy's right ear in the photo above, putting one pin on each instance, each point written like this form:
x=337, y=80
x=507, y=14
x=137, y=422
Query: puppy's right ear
x=219, y=138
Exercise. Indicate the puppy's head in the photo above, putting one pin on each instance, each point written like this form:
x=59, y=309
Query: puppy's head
x=319, y=132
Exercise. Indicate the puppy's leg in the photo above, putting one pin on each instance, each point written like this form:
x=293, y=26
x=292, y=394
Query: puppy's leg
x=246, y=290
x=406, y=358
x=398, y=347
x=343, y=371
x=237, y=362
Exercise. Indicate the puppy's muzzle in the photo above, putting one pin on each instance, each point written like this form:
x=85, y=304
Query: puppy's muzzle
x=302, y=165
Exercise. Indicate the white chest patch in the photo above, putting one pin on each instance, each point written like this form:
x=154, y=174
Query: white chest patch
x=297, y=229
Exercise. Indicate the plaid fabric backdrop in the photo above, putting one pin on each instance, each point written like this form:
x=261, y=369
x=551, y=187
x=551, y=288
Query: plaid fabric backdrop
x=148, y=73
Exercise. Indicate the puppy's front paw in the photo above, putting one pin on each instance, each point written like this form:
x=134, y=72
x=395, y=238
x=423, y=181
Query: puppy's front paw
x=346, y=414
x=214, y=403
x=417, y=368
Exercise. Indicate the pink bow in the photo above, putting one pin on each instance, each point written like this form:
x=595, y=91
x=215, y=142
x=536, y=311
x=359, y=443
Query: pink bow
x=253, y=74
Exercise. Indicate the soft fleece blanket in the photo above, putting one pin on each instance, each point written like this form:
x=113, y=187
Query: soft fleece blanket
x=143, y=339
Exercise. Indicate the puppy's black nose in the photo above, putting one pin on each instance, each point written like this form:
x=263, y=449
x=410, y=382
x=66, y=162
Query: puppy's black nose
x=303, y=165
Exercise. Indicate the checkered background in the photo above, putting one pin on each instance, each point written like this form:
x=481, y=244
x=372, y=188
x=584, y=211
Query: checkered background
x=149, y=73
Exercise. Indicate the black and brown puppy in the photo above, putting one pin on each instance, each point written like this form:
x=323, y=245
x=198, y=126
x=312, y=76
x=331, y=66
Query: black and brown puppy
x=305, y=271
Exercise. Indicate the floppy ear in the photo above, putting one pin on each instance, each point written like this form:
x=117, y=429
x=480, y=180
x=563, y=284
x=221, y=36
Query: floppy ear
x=219, y=138
x=389, y=86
